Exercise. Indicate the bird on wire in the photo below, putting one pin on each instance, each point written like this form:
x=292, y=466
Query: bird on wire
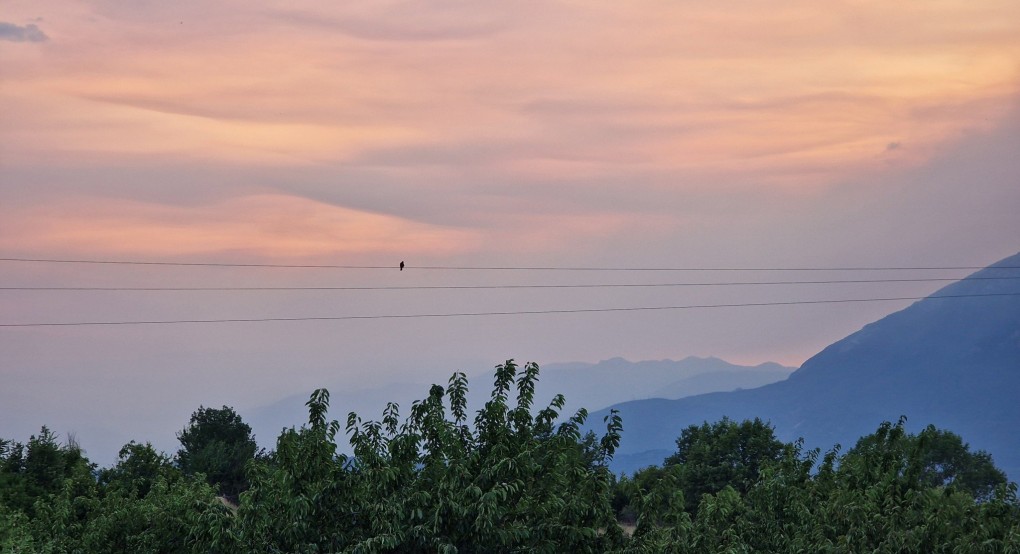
x=401, y=266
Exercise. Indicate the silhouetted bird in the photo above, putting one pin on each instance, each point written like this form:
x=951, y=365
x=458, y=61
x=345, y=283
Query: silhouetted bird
x=401, y=266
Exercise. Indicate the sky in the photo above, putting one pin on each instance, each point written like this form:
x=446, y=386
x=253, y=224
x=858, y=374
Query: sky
x=473, y=134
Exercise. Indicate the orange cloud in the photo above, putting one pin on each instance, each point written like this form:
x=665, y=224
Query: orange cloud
x=695, y=95
x=262, y=225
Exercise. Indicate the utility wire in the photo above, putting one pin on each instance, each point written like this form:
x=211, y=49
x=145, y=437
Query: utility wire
x=487, y=268
x=490, y=287
x=479, y=314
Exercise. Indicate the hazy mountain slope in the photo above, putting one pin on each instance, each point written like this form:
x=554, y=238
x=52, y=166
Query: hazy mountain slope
x=595, y=386
x=954, y=362
x=724, y=380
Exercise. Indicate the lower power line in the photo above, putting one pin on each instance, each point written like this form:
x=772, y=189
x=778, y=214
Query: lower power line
x=508, y=313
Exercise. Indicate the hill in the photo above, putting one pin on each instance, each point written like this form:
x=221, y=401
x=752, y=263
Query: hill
x=951, y=362
x=615, y=380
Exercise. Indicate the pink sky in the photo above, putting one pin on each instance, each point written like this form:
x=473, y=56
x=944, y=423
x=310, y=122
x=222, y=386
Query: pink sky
x=739, y=134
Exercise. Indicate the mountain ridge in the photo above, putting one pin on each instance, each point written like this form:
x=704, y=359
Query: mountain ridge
x=952, y=362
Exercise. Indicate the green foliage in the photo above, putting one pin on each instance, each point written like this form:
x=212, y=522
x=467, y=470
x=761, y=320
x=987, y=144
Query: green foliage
x=165, y=520
x=14, y=534
x=137, y=469
x=217, y=444
x=940, y=459
x=37, y=469
x=52, y=501
x=511, y=478
x=301, y=498
x=723, y=454
x=514, y=481
x=882, y=496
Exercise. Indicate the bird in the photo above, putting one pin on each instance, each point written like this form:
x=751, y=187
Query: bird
x=401, y=266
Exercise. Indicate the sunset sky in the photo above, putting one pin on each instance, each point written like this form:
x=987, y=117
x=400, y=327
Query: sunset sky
x=473, y=134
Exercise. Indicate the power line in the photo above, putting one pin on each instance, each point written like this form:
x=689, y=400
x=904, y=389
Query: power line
x=480, y=314
x=194, y=264
x=491, y=287
x=486, y=268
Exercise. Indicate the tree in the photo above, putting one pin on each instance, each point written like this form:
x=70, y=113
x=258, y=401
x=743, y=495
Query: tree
x=726, y=453
x=138, y=467
x=513, y=481
x=510, y=480
x=218, y=444
x=880, y=497
x=38, y=469
x=935, y=458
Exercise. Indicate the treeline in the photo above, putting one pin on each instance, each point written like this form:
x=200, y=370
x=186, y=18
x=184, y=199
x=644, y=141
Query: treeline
x=509, y=479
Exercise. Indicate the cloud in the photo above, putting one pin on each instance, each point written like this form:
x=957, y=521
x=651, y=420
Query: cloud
x=17, y=33
x=396, y=22
x=264, y=225
x=394, y=30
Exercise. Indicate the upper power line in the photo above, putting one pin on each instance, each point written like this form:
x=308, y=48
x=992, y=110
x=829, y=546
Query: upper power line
x=491, y=268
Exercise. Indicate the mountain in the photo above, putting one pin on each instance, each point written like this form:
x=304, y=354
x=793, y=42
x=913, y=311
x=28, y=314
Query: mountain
x=724, y=380
x=595, y=386
x=951, y=362
x=591, y=386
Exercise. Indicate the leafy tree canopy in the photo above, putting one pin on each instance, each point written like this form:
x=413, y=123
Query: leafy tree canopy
x=939, y=458
x=218, y=444
x=713, y=456
x=512, y=478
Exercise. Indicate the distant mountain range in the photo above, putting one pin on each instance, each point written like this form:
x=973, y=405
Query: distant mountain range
x=951, y=362
x=595, y=386
x=592, y=386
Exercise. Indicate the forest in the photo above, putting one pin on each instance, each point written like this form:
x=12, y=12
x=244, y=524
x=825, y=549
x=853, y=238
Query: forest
x=511, y=477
